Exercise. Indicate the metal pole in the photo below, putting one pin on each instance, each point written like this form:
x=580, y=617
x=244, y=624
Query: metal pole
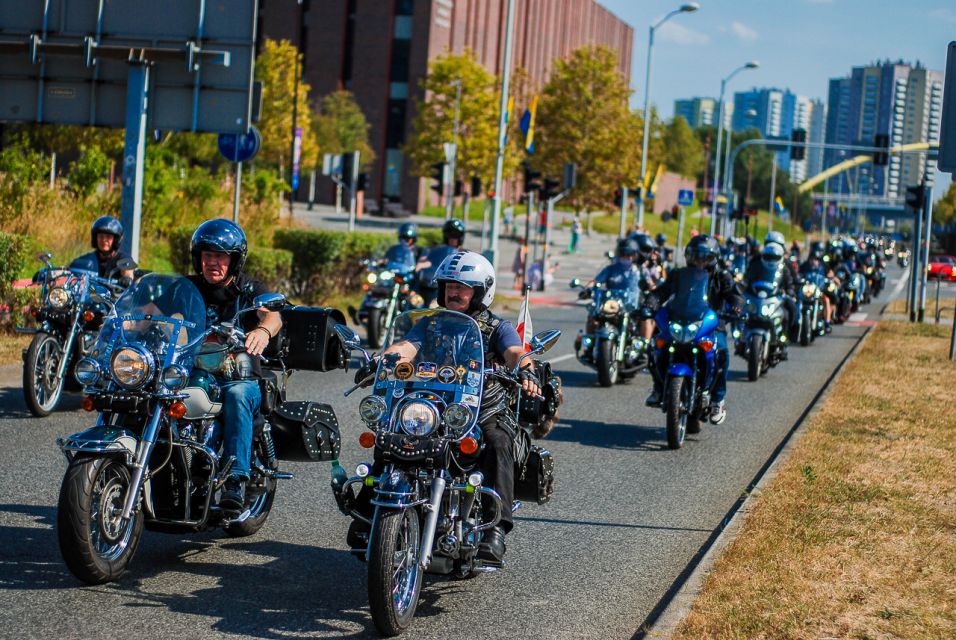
x=823, y=213
x=502, y=133
x=312, y=190
x=678, y=254
x=484, y=226
x=295, y=108
x=773, y=192
x=720, y=138
x=53, y=170
x=928, y=207
x=549, y=211
x=728, y=185
x=235, y=198
x=527, y=238
x=453, y=161
x=917, y=262
x=352, y=189
x=936, y=314
x=137, y=102
x=647, y=133
x=623, y=227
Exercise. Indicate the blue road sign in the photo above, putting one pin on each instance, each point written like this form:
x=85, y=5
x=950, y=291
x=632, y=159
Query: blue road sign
x=237, y=147
x=685, y=197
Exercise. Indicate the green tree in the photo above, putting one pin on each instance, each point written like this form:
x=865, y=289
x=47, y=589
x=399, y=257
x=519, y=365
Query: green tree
x=944, y=211
x=478, y=118
x=88, y=171
x=341, y=127
x=682, y=150
x=583, y=117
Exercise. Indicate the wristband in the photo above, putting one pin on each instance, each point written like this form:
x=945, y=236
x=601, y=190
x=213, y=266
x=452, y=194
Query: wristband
x=268, y=333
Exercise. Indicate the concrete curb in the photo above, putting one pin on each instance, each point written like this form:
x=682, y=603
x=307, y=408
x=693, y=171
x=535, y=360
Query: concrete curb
x=679, y=605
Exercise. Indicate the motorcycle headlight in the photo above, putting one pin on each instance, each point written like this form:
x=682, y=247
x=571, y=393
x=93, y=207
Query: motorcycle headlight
x=457, y=416
x=767, y=309
x=175, y=377
x=611, y=307
x=372, y=278
x=131, y=366
x=869, y=270
x=418, y=418
x=371, y=409
x=739, y=276
x=58, y=298
x=386, y=275
x=87, y=372
x=808, y=289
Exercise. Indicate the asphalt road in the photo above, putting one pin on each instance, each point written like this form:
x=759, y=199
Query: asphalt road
x=627, y=516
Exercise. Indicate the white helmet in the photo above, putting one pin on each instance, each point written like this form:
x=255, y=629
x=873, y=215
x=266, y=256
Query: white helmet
x=472, y=270
x=775, y=237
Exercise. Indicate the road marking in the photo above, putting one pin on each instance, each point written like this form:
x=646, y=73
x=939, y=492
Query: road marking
x=566, y=356
x=859, y=316
x=900, y=285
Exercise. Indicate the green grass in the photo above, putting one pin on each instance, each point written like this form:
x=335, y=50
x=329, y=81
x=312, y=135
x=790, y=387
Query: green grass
x=475, y=209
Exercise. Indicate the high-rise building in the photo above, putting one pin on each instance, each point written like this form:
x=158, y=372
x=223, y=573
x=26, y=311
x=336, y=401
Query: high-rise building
x=816, y=134
x=380, y=50
x=701, y=112
x=895, y=99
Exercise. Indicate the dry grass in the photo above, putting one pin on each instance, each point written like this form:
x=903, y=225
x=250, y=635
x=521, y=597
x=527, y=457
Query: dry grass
x=856, y=536
x=898, y=306
x=12, y=346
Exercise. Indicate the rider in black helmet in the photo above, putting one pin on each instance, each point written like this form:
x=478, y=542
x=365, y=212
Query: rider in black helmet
x=105, y=237
x=404, y=255
x=218, y=250
x=453, y=235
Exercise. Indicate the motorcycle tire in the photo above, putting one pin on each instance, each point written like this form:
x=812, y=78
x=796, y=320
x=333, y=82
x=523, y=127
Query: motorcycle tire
x=259, y=509
x=96, y=551
x=393, y=592
x=39, y=374
x=755, y=357
x=607, y=366
x=806, y=329
x=677, y=412
x=376, y=328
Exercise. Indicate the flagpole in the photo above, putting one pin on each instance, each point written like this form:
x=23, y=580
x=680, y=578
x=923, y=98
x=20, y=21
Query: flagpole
x=502, y=132
x=773, y=193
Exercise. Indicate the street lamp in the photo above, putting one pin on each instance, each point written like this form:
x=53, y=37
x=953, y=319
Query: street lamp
x=753, y=64
x=690, y=7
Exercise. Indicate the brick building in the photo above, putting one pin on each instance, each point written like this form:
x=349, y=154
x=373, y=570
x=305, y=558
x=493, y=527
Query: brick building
x=379, y=50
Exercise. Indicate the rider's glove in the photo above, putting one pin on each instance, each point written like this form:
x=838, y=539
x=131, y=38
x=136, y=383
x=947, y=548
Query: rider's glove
x=125, y=281
x=584, y=294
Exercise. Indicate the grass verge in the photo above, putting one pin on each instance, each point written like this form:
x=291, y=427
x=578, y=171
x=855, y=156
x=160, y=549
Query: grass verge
x=856, y=536
x=12, y=346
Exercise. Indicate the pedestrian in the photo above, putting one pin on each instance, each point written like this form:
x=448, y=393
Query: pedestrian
x=575, y=234
x=517, y=266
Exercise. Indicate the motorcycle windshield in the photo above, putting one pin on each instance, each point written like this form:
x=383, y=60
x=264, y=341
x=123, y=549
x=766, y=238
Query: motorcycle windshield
x=448, y=361
x=688, y=303
x=163, y=313
x=763, y=275
x=400, y=258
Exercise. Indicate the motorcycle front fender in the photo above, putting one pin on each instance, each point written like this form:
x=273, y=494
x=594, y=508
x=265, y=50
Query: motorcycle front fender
x=373, y=303
x=103, y=440
x=680, y=369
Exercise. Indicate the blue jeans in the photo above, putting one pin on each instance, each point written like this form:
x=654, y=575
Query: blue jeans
x=722, y=361
x=240, y=402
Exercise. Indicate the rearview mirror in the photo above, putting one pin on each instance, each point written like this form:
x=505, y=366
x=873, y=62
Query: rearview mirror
x=45, y=256
x=610, y=255
x=271, y=301
x=348, y=337
x=575, y=283
x=543, y=341
x=127, y=264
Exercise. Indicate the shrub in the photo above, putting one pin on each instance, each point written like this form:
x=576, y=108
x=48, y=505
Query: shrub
x=272, y=266
x=13, y=257
x=179, y=240
x=88, y=172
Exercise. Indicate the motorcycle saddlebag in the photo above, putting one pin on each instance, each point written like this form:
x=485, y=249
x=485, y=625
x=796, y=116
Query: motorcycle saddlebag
x=535, y=482
x=309, y=341
x=305, y=431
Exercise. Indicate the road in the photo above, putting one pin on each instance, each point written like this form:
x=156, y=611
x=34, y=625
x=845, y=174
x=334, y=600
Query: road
x=627, y=517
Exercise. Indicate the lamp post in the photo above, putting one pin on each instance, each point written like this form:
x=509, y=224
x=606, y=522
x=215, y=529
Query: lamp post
x=751, y=114
x=753, y=64
x=690, y=7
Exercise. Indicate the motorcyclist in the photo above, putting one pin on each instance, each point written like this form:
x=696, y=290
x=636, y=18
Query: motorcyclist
x=702, y=252
x=466, y=283
x=453, y=235
x=105, y=237
x=404, y=255
x=788, y=282
x=814, y=264
x=772, y=258
x=218, y=250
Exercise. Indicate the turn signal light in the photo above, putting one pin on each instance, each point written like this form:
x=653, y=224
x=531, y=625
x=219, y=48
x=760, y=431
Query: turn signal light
x=706, y=345
x=34, y=312
x=365, y=287
x=87, y=403
x=367, y=440
x=177, y=410
x=88, y=316
x=468, y=445
x=660, y=343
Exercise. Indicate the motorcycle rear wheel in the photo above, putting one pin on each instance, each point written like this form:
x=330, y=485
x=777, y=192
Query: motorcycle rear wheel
x=678, y=406
x=376, y=328
x=754, y=357
x=394, y=574
x=41, y=390
x=259, y=508
x=607, y=365
x=96, y=544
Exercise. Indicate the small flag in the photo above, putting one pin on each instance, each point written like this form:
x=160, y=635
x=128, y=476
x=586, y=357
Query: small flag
x=657, y=179
x=524, y=321
x=527, y=125
x=511, y=108
x=778, y=205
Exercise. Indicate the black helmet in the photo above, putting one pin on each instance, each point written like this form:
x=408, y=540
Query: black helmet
x=817, y=249
x=452, y=229
x=408, y=231
x=626, y=248
x=702, y=248
x=661, y=239
x=110, y=225
x=645, y=246
x=222, y=236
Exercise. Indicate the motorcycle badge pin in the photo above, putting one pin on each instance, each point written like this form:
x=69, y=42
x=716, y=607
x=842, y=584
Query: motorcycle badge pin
x=404, y=370
x=473, y=379
x=427, y=370
x=382, y=375
x=470, y=399
x=460, y=371
x=473, y=365
x=447, y=375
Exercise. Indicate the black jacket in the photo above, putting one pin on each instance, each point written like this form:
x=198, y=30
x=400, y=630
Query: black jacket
x=722, y=291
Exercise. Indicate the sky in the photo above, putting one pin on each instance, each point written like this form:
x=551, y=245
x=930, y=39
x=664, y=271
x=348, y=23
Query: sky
x=800, y=44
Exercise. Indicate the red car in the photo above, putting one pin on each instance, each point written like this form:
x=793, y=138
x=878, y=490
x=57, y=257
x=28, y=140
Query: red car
x=942, y=267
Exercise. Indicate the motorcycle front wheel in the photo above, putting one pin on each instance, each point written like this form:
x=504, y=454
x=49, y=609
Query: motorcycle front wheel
x=41, y=388
x=607, y=365
x=394, y=574
x=678, y=406
x=754, y=357
x=376, y=328
x=96, y=543
x=806, y=328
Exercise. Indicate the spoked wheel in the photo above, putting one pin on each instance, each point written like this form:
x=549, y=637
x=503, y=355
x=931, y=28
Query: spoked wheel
x=394, y=574
x=678, y=406
x=607, y=365
x=754, y=357
x=96, y=543
x=41, y=388
x=376, y=328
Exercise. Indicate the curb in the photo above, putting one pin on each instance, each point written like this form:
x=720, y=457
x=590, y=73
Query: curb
x=663, y=620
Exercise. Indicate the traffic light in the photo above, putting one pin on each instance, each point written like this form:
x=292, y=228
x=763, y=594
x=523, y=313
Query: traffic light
x=570, y=176
x=362, y=182
x=438, y=175
x=552, y=187
x=459, y=188
x=530, y=178
x=916, y=197
x=881, y=158
x=798, y=152
x=618, y=198
x=476, y=186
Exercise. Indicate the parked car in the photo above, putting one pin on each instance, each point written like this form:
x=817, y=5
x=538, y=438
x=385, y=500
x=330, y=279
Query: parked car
x=942, y=267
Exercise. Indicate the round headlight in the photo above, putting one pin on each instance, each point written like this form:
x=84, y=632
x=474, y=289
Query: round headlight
x=611, y=307
x=131, y=367
x=385, y=275
x=175, y=377
x=87, y=372
x=767, y=309
x=692, y=328
x=371, y=409
x=457, y=416
x=418, y=418
x=58, y=297
x=372, y=278
x=738, y=276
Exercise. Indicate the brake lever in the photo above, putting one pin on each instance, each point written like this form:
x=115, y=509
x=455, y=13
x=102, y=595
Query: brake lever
x=358, y=386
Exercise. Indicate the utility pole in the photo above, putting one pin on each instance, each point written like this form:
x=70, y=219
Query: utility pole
x=295, y=110
x=453, y=156
x=502, y=133
x=623, y=229
x=700, y=213
x=773, y=192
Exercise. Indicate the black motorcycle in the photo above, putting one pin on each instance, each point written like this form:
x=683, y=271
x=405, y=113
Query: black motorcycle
x=388, y=292
x=154, y=458
x=430, y=502
x=73, y=303
x=611, y=343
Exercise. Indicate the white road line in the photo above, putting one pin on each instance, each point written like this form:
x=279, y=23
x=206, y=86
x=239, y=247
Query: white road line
x=859, y=316
x=900, y=285
x=566, y=356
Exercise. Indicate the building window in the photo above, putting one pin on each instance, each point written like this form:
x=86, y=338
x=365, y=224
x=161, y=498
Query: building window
x=395, y=124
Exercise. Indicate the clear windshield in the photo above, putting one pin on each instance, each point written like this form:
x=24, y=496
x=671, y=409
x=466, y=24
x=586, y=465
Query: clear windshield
x=764, y=275
x=689, y=300
x=163, y=313
x=400, y=258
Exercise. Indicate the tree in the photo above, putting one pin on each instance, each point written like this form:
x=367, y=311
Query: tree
x=583, y=117
x=682, y=151
x=275, y=68
x=944, y=211
x=478, y=118
x=341, y=127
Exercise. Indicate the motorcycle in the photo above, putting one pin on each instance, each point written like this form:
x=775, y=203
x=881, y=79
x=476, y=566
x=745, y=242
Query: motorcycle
x=764, y=335
x=73, y=303
x=611, y=343
x=154, y=458
x=903, y=259
x=430, y=501
x=388, y=292
x=686, y=354
x=810, y=315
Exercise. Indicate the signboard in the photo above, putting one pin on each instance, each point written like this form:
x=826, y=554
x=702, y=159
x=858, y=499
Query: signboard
x=296, y=156
x=240, y=147
x=947, y=134
x=685, y=197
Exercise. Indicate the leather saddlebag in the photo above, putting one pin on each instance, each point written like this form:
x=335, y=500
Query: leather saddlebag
x=305, y=432
x=535, y=480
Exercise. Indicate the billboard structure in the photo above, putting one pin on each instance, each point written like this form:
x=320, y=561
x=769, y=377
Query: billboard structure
x=175, y=65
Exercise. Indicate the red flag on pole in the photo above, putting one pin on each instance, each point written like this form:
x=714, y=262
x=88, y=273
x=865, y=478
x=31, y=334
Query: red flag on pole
x=524, y=320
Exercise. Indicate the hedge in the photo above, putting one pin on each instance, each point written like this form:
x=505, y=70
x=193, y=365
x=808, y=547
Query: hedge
x=13, y=257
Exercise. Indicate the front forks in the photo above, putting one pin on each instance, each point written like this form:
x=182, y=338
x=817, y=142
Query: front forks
x=143, y=451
